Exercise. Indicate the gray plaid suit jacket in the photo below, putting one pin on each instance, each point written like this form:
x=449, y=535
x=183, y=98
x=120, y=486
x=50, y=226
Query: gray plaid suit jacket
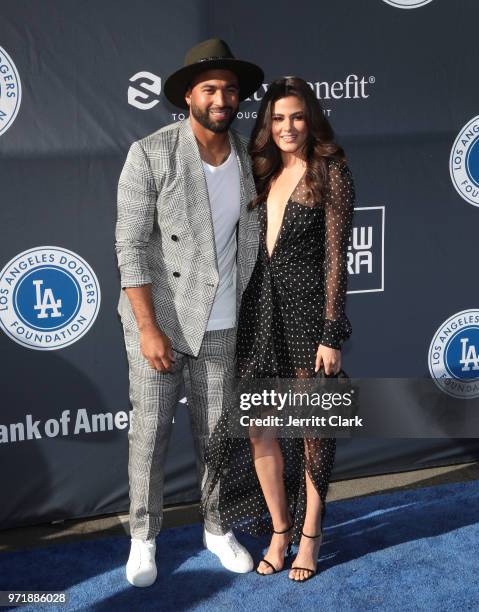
x=164, y=232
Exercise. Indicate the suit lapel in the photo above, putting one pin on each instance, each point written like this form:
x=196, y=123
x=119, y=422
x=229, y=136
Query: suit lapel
x=237, y=149
x=198, y=210
x=248, y=231
x=197, y=204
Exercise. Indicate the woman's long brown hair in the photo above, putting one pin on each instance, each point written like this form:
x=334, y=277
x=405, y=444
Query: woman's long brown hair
x=320, y=145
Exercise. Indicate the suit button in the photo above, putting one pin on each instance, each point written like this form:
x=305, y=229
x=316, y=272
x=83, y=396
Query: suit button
x=174, y=237
x=177, y=274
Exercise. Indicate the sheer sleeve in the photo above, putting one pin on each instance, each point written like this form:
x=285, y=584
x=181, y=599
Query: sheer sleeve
x=339, y=209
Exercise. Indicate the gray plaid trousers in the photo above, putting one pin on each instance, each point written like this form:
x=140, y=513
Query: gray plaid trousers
x=154, y=396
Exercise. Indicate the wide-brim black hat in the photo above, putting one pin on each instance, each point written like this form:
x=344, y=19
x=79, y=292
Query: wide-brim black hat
x=211, y=54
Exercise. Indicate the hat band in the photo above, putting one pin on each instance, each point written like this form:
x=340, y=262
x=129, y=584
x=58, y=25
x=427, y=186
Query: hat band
x=214, y=57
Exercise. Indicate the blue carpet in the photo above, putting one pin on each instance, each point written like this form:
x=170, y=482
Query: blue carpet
x=409, y=550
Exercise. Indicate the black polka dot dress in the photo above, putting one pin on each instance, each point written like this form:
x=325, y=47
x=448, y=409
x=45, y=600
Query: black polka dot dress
x=293, y=303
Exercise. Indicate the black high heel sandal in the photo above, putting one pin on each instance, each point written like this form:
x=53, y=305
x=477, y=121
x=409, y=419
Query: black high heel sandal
x=308, y=569
x=288, y=553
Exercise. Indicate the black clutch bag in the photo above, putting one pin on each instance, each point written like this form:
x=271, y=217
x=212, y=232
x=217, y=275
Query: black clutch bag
x=322, y=374
x=327, y=382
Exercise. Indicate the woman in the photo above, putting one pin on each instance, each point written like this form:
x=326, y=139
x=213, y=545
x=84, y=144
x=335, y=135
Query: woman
x=291, y=324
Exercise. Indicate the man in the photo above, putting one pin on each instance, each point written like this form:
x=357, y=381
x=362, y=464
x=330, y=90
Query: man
x=186, y=245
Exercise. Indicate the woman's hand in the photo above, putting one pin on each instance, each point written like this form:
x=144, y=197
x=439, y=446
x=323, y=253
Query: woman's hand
x=330, y=358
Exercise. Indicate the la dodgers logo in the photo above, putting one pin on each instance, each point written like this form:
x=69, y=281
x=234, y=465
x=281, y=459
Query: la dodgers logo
x=407, y=4
x=46, y=302
x=10, y=91
x=464, y=162
x=454, y=355
x=49, y=298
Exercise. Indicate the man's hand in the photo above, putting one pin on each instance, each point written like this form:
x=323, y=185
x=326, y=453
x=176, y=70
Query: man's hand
x=330, y=358
x=155, y=345
x=156, y=348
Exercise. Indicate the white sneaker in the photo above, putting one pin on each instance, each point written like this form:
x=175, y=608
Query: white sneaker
x=231, y=553
x=141, y=566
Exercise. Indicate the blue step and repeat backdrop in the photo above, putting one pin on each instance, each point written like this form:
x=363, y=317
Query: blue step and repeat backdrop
x=80, y=80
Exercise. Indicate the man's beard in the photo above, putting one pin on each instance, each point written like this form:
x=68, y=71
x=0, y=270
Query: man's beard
x=204, y=119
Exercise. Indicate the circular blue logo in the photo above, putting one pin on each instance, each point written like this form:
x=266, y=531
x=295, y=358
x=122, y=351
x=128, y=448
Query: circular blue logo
x=407, y=4
x=49, y=298
x=34, y=298
x=472, y=162
x=10, y=91
x=454, y=355
x=464, y=162
x=460, y=354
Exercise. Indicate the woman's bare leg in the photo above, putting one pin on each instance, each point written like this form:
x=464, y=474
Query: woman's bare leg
x=308, y=548
x=269, y=465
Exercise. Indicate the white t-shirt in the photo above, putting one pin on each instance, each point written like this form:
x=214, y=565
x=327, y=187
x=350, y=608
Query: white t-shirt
x=224, y=194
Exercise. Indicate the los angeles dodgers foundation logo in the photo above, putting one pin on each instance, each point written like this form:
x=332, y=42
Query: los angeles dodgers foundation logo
x=454, y=355
x=49, y=298
x=407, y=4
x=464, y=162
x=10, y=91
